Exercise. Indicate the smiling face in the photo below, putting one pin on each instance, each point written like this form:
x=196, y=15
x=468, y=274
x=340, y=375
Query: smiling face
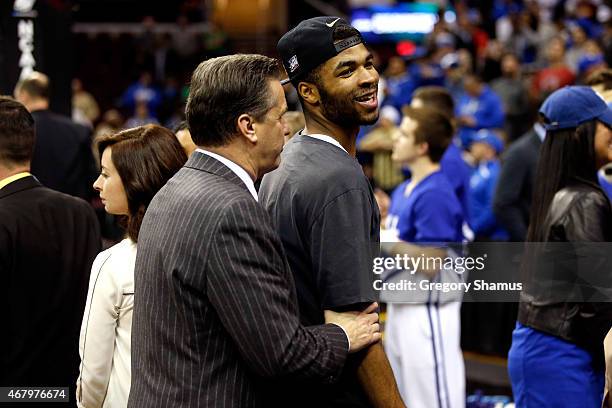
x=348, y=86
x=110, y=186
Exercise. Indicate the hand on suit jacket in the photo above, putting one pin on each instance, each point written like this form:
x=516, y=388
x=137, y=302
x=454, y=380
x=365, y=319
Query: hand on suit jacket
x=361, y=328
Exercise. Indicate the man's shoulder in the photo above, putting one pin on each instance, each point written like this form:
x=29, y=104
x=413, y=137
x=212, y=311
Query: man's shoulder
x=196, y=194
x=437, y=186
x=526, y=144
x=41, y=195
x=38, y=203
x=50, y=121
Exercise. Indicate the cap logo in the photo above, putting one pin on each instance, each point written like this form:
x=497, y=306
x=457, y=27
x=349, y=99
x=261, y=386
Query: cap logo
x=293, y=63
x=330, y=25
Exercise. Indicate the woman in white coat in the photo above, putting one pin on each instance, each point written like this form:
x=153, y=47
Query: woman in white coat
x=135, y=164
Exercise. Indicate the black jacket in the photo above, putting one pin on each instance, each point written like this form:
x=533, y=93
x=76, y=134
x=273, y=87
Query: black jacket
x=63, y=158
x=48, y=241
x=559, y=273
x=512, y=201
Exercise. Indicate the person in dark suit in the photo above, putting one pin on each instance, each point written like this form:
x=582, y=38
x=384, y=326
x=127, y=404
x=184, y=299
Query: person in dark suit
x=215, y=314
x=63, y=158
x=512, y=201
x=48, y=241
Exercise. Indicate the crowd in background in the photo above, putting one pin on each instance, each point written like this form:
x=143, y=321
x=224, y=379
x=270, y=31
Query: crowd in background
x=489, y=85
x=497, y=73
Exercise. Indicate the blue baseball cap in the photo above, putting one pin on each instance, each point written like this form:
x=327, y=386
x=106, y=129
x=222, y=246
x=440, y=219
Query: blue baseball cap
x=570, y=106
x=489, y=137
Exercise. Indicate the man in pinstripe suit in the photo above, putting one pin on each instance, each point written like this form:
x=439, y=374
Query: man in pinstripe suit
x=215, y=313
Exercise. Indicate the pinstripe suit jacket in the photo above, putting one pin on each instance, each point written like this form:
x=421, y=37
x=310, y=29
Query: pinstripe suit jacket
x=215, y=311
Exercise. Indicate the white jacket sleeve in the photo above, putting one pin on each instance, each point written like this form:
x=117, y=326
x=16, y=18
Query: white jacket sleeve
x=97, y=339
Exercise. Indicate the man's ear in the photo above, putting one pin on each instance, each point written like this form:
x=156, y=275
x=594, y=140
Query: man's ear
x=309, y=93
x=423, y=148
x=246, y=127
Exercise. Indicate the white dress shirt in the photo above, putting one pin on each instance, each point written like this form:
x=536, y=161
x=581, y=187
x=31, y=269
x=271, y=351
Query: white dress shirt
x=239, y=171
x=106, y=331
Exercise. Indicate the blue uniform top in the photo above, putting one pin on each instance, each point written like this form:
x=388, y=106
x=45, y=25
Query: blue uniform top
x=457, y=171
x=430, y=213
x=482, y=190
x=486, y=109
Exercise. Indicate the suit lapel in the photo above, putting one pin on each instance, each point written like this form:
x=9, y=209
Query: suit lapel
x=16, y=186
x=203, y=162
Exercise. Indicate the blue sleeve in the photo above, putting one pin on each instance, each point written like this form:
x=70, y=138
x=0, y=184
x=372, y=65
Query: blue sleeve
x=435, y=218
x=491, y=113
x=483, y=221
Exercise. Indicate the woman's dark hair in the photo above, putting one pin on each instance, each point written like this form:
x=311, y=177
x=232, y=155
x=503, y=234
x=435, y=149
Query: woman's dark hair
x=145, y=157
x=566, y=155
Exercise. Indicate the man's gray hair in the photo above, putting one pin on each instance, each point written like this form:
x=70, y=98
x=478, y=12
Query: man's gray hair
x=224, y=88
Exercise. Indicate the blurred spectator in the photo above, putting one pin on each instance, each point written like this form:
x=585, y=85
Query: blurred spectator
x=142, y=90
x=457, y=66
x=485, y=149
x=184, y=137
x=144, y=44
x=141, y=116
x=512, y=202
x=452, y=164
x=386, y=174
x=172, y=108
x=514, y=95
x=399, y=86
x=62, y=158
x=165, y=59
x=601, y=82
x=185, y=42
x=591, y=61
x=577, y=49
x=606, y=42
x=478, y=108
x=84, y=105
x=216, y=42
x=556, y=75
x=111, y=122
x=295, y=123
x=491, y=66
x=519, y=31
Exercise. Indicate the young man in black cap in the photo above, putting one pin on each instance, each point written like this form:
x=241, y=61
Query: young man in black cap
x=322, y=203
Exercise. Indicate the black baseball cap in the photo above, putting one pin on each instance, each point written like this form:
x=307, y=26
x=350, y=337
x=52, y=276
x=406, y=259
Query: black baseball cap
x=310, y=44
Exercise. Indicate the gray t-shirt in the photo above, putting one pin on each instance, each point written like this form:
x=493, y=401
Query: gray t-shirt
x=325, y=212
